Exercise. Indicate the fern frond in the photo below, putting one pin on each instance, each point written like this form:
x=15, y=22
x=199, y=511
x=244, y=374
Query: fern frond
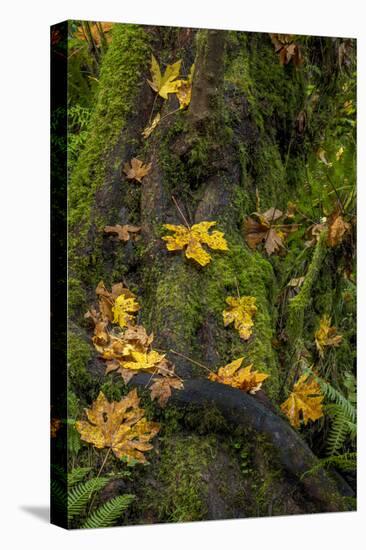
x=81, y=493
x=107, y=514
x=347, y=461
x=77, y=475
x=339, y=429
x=58, y=496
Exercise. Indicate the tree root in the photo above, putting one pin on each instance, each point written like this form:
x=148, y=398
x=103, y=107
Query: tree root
x=245, y=410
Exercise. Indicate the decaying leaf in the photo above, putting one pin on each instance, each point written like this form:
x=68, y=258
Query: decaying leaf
x=55, y=426
x=337, y=228
x=193, y=238
x=304, y=402
x=149, y=129
x=120, y=426
x=321, y=153
x=239, y=377
x=161, y=389
x=138, y=337
x=104, y=28
x=184, y=90
x=240, y=312
x=164, y=84
x=287, y=49
x=107, y=300
x=262, y=229
x=136, y=169
x=326, y=335
x=123, y=231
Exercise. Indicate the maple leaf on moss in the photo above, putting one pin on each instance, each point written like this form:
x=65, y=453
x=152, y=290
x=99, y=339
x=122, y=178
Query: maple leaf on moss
x=164, y=84
x=136, y=169
x=192, y=240
x=337, y=228
x=120, y=426
x=184, y=90
x=123, y=231
x=326, y=335
x=146, y=360
x=239, y=377
x=122, y=310
x=161, y=389
x=304, y=402
x=240, y=312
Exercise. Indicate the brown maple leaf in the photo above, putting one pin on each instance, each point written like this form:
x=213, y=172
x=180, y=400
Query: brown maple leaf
x=119, y=426
x=123, y=231
x=262, y=230
x=337, y=228
x=161, y=389
x=136, y=170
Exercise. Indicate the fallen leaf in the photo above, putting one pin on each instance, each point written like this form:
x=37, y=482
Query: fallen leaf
x=107, y=299
x=262, y=230
x=304, y=402
x=184, y=90
x=149, y=129
x=339, y=153
x=337, y=228
x=240, y=312
x=136, y=170
x=326, y=335
x=161, y=389
x=164, y=84
x=138, y=337
x=147, y=360
x=287, y=49
x=123, y=309
x=122, y=231
x=55, y=426
x=193, y=238
x=239, y=377
x=120, y=426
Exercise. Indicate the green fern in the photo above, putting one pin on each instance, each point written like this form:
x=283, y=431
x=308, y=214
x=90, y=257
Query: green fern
x=342, y=427
x=58, y=496
x=76, y=476
x=80, y=495
x=345, y=462
x=107, y=514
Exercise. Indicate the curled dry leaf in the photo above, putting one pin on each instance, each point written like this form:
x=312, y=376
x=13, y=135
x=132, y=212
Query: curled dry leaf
x=149, y=129
x=55, y=426
x=123, y=231
x=136, y=169
x=239, y=377
x=184, y=90
x=287, y=49
x=326, y=335
x=304, y=402
x=120, y=426
x=261, y=229
x=193, y=239
x=161, y=389
x=164, y=84
x=240, y=312
x=337, y=228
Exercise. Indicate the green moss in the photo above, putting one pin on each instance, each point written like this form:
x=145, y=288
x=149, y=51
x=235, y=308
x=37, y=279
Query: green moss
x=78, y=354
x=119, y=84
x=182, y=494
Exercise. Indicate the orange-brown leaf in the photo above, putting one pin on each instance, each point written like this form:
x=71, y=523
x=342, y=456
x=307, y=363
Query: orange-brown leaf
x=136, y=169
x=161, y=389
x=304, y=402
x=123, y=231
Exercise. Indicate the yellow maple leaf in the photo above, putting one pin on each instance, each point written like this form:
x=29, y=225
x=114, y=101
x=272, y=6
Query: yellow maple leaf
x=120, y=426
x=239, y=377
x=193, y=238
x=304, y=402
x=145, y=360
x=240, y=312
x=326, y=335
x=136, y=170
x=164, y=84
x=184, y=90
x=122, y=309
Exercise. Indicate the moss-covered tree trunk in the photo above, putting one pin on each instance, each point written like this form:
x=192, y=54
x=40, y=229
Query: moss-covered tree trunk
x=239, y=139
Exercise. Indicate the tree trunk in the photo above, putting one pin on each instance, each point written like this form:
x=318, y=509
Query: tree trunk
x=237, y=140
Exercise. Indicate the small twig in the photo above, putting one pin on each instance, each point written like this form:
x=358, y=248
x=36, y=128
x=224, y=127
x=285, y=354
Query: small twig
x=237, y=287
x=98, y=474
x=180, y=212
x=191, y=360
